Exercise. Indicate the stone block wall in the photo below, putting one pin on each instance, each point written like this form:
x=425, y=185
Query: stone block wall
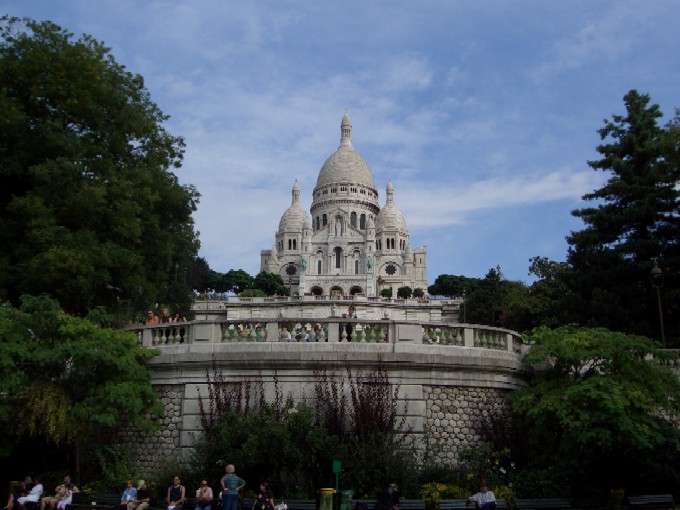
x=163, y=445
x=454, y=414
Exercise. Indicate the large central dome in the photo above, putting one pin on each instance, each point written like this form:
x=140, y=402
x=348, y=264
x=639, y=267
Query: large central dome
x=345, y=164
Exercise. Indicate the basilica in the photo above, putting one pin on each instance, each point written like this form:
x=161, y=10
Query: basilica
x=351, y=246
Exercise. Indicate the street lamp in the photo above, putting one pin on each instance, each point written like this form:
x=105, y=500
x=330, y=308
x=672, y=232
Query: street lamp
x=656, y=278
x=380, y=282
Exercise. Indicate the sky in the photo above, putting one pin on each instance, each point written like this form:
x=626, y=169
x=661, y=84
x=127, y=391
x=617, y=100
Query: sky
x=483, y=114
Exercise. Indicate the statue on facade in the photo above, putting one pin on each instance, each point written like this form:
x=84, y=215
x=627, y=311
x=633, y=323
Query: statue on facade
x=369, y=263
x=303, y=264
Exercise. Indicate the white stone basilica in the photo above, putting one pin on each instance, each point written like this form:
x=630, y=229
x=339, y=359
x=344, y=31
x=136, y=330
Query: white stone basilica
x=351, y=246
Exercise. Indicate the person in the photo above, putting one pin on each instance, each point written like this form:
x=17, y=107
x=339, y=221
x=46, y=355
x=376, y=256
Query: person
x=204, y=496
x=349, y=328
x=231, y=484
x=21, y=490
x=388, y=499
x=484, y=499
x=165, y=316
x=67, y=498
x=151, y=318
x=61, y=491
x=142, y=500
x=128, y=495
x=265, y=498
x=34, y=495
x=176, y=495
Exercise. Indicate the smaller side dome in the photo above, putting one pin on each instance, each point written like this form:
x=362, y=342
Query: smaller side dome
x=294, y=218
x=390, y=218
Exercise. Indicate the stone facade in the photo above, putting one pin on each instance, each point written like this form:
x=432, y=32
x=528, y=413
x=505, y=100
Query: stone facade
x=454, y=415
x=163, y=445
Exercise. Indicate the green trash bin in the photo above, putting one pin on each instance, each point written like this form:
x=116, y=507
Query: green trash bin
x=326, y=499
x=346, y=499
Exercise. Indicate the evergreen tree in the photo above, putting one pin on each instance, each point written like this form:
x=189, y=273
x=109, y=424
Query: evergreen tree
x=633, y=222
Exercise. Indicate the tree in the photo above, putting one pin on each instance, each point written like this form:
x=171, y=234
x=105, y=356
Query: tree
x=452, y=286
x=602, y=404
x=66, y=379
x=238, y=280
x=89, y=206
x=633, y=222
x=404, y=292
x=270, y=283
x=418, y=292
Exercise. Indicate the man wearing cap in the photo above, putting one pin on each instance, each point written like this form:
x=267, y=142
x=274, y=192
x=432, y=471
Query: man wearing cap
x=484, y=499
x=388, y=499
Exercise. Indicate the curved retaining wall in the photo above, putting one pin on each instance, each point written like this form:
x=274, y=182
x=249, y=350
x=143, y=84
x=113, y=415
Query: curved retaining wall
x=449, y=376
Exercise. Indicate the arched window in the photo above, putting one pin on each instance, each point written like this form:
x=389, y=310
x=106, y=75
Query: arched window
x=338, y=258
x=318, y=223
x=325, y=220
x=290, y=244
x=353, y=219
x=318, y=267
x=356, y=267
x=362, y=222
x=294, y=244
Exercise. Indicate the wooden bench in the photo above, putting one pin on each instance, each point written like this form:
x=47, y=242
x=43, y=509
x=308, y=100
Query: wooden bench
x=463, y=504
x=651, y=501
x=411, y=504
x=543, y=504
x=294, y=504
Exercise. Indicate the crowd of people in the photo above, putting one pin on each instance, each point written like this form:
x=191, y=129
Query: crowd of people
x=139, y=497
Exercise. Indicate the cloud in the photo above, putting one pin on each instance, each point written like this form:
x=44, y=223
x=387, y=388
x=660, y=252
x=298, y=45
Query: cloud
x=428, y=205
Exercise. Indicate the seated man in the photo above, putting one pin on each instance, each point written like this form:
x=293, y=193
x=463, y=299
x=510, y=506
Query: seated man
x=142, y=498
x=204, y=496
x=34, y=495
x=484, y=499
x=61, y=491
x=388, y=499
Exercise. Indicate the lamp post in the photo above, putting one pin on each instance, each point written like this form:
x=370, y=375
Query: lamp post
x=656, y=278
x=380, y=282
x=464, y=306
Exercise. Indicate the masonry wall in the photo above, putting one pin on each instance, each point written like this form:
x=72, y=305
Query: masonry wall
x=443, y=391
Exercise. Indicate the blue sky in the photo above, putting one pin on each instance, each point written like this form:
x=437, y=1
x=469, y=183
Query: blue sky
x=482, y=113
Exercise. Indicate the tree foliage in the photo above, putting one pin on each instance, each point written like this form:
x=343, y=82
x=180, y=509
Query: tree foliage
x=452, y=285
x=66, y=379
x=633, y=221
x=601, y=402
x=89, y=206
x=270, y=283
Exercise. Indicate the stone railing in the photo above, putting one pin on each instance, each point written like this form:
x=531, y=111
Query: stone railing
x=333, y=330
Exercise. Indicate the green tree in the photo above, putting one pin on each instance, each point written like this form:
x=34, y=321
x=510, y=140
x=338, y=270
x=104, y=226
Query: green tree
x=452, y=285
x=89, y=206
x=404, y=292
x=634, y=220
x=68, y=380
x=238, y=280
x=603, y=405
x=270, y=283
x=418, y=292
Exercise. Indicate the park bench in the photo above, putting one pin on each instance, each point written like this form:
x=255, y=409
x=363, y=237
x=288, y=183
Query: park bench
x=651, y=501
x=81, y=501
x=463, y=504
x=294, y=504
x=411, y=504
x=543, y=504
